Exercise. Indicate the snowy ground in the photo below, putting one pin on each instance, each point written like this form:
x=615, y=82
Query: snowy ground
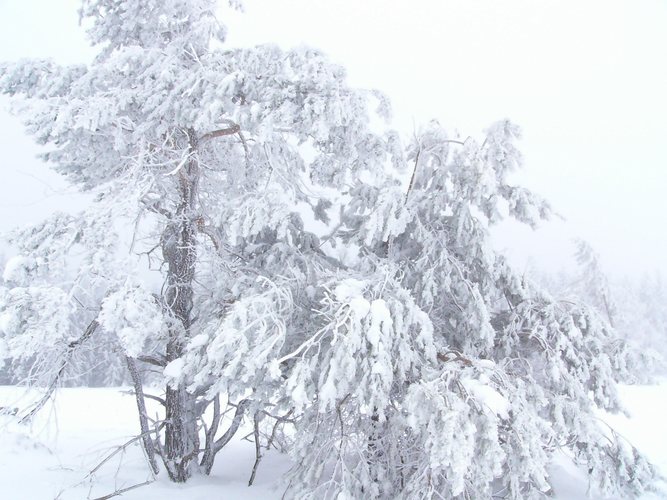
x=52, y=457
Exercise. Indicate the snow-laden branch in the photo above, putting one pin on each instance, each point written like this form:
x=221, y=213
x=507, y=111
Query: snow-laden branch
x=64, y=362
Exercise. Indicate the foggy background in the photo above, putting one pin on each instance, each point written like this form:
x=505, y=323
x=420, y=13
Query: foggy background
x=586, y=81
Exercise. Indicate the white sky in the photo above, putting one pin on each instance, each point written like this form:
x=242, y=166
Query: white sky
x=586, y=80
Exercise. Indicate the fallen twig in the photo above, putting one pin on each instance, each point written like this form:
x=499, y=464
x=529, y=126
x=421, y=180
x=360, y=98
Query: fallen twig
x=124, y=490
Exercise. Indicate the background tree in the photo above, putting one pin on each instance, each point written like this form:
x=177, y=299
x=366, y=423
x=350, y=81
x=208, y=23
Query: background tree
x=634, y=308
x=418, y=365
x=593, y=281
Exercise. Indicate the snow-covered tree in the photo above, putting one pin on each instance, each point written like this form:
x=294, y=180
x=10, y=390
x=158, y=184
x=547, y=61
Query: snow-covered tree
x=593, y=282
x=632, y=308
x=651, y=306
x=641, y=312
x=416, y=364
x=426, y=367
x=194, y=158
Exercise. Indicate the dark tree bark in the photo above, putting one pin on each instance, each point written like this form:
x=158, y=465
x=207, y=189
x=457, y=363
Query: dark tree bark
x=180, y=254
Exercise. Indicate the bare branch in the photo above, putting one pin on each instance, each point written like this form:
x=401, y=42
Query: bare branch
x=124, y=490
x=414, y=173
x=153, y=360
x=148, y=396
x=258, y=448
x=156, y=208
x=122, y=448
x=209, y=456
x=156, y=398
x=211, y=233
x=236, y=422
x=455, y=356
x=279, y=420
x=414, y=170
x=234, y=129
x=143, y=420
x=246, y=150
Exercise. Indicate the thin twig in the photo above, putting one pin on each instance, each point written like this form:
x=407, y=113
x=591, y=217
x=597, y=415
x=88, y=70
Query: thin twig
x=148, y=396
x=279, y=420
x=124, y=490
x=119, y=449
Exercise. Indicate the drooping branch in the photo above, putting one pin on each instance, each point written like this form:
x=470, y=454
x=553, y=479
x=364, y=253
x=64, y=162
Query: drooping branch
x=67, y=357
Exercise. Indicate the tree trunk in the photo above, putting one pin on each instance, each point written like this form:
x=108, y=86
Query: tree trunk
x=181, y=439
x=179, y=252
